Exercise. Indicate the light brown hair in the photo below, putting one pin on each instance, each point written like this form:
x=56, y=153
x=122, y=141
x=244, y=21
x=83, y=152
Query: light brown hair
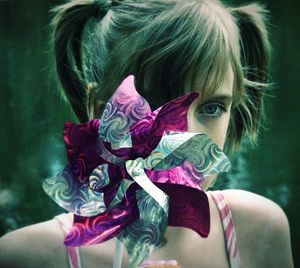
x=171, y=46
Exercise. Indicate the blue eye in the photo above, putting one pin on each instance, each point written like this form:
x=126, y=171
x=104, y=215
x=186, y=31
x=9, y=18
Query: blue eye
x=212, y=109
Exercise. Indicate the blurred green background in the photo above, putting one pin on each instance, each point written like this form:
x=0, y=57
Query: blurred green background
x=32, y=115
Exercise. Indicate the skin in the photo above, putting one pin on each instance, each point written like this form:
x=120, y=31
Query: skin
x=211, y=115
x=261, y=226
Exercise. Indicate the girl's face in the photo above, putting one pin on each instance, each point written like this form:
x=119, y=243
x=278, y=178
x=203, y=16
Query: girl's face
x=211, y=115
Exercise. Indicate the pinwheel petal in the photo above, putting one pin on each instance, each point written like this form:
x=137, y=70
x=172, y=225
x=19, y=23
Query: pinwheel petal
x=188, y=208
x=100, y=228
x=99, y=178
x=145, y=234
x=83, y=152
x=70, y=194
x=195, y=152
x=125, y=108
x=172, y=116
x=135, y=168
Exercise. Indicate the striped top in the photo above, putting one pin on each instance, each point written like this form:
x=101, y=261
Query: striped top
x=73, y=252
x=227, y=222
x=228, y=227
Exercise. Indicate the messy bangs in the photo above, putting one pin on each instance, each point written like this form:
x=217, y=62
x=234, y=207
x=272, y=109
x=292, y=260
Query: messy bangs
x=174, y=47
x=184, y=49
x=214, y=49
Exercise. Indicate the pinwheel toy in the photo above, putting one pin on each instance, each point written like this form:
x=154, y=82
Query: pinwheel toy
x=134, y=172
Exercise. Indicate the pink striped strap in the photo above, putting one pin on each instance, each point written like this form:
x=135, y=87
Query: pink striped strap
x=228, y=227
x=73, y=252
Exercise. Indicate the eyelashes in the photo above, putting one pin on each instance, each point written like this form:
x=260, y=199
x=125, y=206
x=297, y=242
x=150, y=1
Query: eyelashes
x=211, y=110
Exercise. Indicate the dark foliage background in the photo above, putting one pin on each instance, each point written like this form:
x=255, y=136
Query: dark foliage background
x=32, y=115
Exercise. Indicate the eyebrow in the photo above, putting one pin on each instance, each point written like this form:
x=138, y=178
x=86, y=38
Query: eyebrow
x=226, y=98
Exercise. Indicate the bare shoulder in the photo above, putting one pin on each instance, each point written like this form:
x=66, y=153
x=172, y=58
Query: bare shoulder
x=262, y=230
x=252, y=207
x=38, y=245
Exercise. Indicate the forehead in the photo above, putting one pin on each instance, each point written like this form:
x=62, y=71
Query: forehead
x=219, y=86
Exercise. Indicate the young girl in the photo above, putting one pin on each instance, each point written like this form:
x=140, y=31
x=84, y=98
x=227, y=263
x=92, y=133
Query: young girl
x=206, y=65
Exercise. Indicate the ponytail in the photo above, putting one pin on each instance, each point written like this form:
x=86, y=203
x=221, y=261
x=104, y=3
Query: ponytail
x=255, y=59
x=68, y=25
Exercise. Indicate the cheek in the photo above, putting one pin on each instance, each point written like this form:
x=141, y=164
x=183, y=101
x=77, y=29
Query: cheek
x=218, y=131
x=215, y=128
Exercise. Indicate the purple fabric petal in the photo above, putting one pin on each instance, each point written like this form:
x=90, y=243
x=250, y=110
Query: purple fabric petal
x=82, y=149
x=172, y=116
x=176, y=175
x=100, y=228
x=188, y=208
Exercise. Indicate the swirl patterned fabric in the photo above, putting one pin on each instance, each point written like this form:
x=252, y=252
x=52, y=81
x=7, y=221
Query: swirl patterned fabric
x=134, y=172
